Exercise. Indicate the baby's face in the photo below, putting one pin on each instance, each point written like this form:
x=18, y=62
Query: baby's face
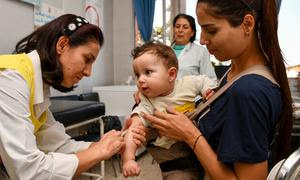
x=152, y=76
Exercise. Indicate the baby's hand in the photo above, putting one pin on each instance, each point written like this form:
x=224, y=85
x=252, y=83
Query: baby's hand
x=208, y=93
x=131, y=168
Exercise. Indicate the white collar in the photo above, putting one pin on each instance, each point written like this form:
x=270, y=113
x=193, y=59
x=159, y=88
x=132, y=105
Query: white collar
x=38, y=80
x=186, y=48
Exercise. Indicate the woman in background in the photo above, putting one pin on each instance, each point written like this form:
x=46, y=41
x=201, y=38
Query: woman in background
x=193, y=59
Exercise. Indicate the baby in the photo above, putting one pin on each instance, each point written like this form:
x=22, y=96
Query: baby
x=155, y=66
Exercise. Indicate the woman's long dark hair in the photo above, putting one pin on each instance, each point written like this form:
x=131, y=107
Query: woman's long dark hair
x=191, y=21
x=44, y=40
x=265, y=13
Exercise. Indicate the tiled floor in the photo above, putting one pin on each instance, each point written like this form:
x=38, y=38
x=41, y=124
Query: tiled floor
x=149, y=170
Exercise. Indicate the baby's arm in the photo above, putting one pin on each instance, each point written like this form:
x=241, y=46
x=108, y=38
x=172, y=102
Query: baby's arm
x=130, y=167
x=206, y=86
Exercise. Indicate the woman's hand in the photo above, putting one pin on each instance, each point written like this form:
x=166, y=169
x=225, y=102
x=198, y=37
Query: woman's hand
x=173, y=124
x=110, y=144
x=139, y=135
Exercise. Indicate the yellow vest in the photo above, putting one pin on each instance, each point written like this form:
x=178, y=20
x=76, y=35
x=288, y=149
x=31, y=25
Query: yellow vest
x=22, y=64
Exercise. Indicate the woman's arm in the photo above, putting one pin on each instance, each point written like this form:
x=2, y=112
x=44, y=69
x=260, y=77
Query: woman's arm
x=178, y=126
x=88, y=153
x=18, y=148
x=218, y=170
x=52, y=137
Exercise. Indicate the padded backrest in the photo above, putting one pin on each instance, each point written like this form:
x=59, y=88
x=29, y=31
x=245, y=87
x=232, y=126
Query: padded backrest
x=68, y=97
x=93, y=96
x=70, y=112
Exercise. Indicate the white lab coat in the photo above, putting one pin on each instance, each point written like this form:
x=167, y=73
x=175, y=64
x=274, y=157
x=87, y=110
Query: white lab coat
x=195, y=60
x=48, y=154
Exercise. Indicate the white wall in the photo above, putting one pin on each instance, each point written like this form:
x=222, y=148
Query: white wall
x=123, y=39
x=16, y=22
x=113, y=65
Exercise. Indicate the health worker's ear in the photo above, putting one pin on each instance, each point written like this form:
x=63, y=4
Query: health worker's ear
x=62, y=44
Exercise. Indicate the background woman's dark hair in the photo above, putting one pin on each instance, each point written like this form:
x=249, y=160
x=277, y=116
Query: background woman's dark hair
x=191, y=21
x=162, y=51
x=265, y=13
x=44, y=40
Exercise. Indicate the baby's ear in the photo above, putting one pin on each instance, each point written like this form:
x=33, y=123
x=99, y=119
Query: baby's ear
x=172, y=74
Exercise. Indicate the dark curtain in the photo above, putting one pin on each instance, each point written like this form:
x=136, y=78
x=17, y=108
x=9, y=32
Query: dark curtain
x=144, y=11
